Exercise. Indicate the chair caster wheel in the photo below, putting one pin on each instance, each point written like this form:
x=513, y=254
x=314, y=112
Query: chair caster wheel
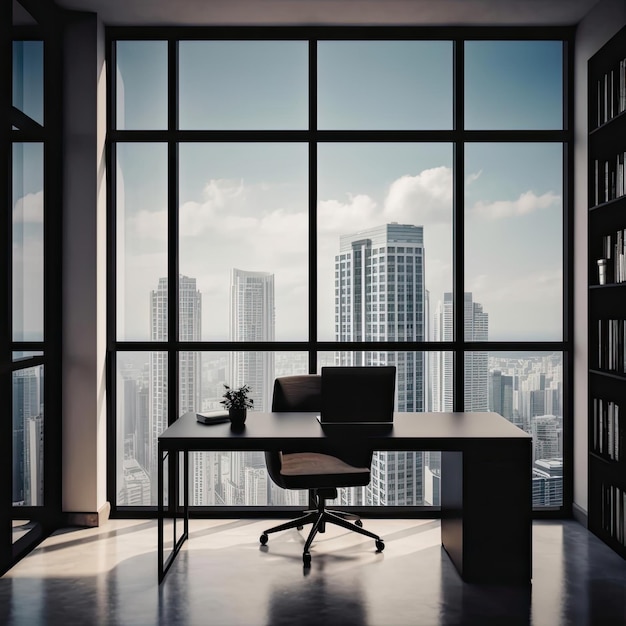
x=263, y=539
x=380, y=545
x=306, y=558
x=359, y=523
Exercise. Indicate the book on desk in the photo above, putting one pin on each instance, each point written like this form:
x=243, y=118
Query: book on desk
x=213, y=417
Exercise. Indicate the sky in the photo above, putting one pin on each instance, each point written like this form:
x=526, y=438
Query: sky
x=27, y=197
x=245, y=205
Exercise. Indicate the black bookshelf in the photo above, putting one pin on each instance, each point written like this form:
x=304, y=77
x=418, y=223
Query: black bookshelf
x=607, y=292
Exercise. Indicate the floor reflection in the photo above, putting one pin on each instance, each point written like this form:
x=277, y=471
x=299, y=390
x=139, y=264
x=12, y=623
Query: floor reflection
x=222, y=578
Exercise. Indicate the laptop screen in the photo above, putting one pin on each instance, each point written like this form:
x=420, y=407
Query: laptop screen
x=358, y=394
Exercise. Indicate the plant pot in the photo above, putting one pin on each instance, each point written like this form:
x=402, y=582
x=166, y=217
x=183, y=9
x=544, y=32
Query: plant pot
x=237, y=417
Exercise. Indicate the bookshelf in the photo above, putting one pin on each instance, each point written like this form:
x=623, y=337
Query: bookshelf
x=607, y=292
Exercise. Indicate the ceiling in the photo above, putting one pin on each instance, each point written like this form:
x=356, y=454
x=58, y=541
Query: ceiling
x=340, y=12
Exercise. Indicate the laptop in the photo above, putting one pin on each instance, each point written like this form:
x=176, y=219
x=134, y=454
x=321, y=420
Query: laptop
x=358, y=395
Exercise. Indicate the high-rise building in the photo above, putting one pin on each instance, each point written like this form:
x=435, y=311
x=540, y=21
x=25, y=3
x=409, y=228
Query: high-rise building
x=27, y=480
x=476, y=369
x=476, y=382
x=501, y=394
x=548, y=482
x=252, y=319
x=380, y=296
x=189, y=321
x=547, y=432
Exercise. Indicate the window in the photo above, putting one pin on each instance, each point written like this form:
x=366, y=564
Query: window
x=30, y=282
x=329, y=188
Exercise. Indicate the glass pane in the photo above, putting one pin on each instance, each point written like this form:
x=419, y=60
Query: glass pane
x=28, y=78
x=28, y=437
x=141, y=85
x=404, y=477
x=243, y=85
x=513, y=238
x=25, y=354
x=527, y=389
x=513, y=85
x=141, y=215
x=142, y=416
x=28, y=211
x=235, y=478
x=384, y=85
x=141, y=410
x=384, y=239
x=244, y=241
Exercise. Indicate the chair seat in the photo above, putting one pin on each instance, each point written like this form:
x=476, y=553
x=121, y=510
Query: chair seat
x=308, y=469
x=310, y=463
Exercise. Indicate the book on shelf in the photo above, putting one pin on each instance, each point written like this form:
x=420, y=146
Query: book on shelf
x=613, y=511
x=609, y=178
x=611, y=352
x=611, y=94
x=607, y=431
x=614, y=251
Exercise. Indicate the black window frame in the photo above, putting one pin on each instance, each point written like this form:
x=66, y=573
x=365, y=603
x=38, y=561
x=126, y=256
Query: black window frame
x=457, y=136
x=16, y=127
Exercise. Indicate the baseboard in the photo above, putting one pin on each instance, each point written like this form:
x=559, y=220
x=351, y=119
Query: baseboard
x=580, y=515
x=90, y=520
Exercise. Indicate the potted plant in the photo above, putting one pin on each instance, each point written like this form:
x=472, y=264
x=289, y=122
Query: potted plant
x=237, y=402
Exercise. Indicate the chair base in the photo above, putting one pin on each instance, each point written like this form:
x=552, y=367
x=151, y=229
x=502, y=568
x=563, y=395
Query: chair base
x=319, y=518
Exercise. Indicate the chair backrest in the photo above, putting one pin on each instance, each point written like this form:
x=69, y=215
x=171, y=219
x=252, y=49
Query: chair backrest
x=301, y=393
x=297, y=394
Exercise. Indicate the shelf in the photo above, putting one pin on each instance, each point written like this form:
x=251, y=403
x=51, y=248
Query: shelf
x=608, y=205
x=606, y=226
x=605, y=374
x=609, y=286
x=609, y=124
x=609, y=463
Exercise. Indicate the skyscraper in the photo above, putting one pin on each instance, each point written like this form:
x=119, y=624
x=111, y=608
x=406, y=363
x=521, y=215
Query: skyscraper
x=27, y=478
x=501, y=394
x=380, y=296
x=476, y=382
x=190, y=306
x=252, y=319
x=548, y=482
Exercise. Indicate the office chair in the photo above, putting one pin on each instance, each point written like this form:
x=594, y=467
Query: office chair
x=322, y=474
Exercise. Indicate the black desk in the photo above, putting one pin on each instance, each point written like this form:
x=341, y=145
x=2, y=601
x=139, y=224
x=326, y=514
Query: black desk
x=486, y=487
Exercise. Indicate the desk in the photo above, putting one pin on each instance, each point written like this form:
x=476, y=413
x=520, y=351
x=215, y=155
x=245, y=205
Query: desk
x=486, y=486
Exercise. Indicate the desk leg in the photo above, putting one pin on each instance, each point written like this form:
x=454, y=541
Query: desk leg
x=173, y=506
x=486, y=512
x=186, y=495
x=160, y=514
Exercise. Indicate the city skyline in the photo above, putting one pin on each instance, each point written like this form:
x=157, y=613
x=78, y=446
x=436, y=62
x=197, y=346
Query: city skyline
x=380, y=295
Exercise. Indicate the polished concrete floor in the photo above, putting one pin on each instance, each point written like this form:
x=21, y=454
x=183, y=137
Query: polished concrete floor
x=223, y=577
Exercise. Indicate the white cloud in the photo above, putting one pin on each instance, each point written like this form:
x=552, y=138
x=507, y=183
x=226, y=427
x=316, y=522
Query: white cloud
x=473, y=177
x=478, y=283
x=422, y=199
x=524, y=306
x=150, y=225
x=537, y=287
x=29, y=208
x=336, y=217
x=527, y=203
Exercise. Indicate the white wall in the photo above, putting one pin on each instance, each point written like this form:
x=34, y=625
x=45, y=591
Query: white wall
x=598, y=26
x=84, y=267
